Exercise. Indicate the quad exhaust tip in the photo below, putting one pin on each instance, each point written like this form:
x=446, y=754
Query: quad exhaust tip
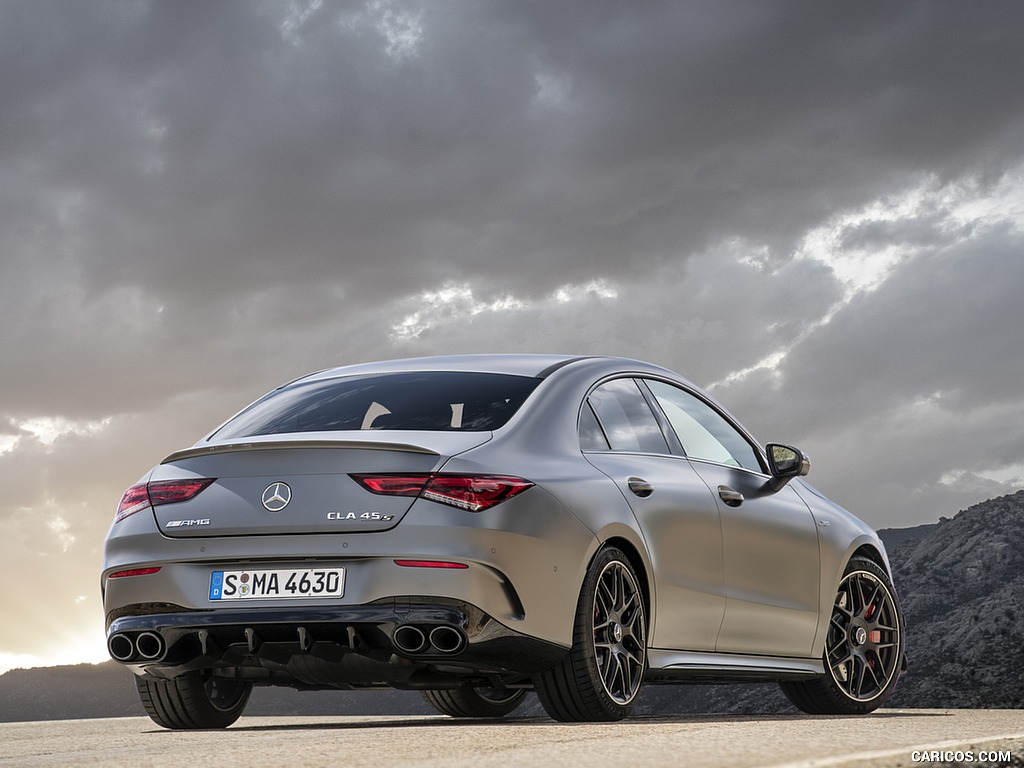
x=145, y=646
x=413, y=640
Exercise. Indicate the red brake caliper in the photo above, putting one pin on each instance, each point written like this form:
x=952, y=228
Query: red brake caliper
x=875, y=635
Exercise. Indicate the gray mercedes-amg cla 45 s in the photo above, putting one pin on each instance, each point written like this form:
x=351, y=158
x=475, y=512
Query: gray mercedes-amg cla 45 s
x=479, y=527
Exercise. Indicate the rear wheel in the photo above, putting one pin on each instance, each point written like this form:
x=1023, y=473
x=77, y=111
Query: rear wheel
x=468, y=701
x=193, y=701
x=600, y=678
x=863, y=649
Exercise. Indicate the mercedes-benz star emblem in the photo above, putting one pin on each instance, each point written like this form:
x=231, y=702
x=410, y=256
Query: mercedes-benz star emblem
x=276, y=497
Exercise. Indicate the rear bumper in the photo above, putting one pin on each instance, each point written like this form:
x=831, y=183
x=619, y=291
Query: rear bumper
x=400, y=642
x=524, y=563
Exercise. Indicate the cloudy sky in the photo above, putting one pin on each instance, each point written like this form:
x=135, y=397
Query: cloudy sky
x=815, y=209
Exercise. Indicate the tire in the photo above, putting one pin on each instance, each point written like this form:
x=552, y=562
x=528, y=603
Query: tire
x=600, y=678
x=468, y=701
x=863, y=650
x=193, y=701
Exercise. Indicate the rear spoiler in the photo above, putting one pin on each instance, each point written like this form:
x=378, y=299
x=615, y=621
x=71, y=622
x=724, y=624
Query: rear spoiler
x=276, y=445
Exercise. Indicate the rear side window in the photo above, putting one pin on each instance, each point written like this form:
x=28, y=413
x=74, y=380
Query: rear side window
x=425, y=401
x=591, y=435
x=628, y=421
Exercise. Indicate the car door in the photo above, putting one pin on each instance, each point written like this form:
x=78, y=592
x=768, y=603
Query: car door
x=769, y=540
x=620, y=435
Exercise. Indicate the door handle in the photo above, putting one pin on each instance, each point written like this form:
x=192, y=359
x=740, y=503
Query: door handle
x=640, y=487
x=729, y=496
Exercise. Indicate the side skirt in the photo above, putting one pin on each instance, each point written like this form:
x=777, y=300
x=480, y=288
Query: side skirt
x=688, y=666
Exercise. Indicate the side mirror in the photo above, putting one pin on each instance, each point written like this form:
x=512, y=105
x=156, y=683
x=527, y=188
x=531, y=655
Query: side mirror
x=785, y=463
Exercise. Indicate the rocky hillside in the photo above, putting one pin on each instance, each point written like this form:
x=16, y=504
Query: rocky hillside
x=961, y=582
x=962, y=587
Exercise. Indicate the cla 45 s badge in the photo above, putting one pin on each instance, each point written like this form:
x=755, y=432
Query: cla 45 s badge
x=373, y=516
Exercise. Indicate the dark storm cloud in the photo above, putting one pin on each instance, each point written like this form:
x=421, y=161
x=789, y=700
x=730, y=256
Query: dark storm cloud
x=911, y=393
x=171, y=165
x=943, y=324
x=206, y=149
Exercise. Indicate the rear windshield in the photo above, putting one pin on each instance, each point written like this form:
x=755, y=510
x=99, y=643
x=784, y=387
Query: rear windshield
x=435, y=401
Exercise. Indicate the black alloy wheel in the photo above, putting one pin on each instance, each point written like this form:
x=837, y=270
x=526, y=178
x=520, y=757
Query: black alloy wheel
x=601, y=676
x=863, y=649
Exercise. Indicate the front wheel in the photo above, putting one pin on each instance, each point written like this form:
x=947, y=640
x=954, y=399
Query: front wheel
x=600, y=678
x=468, y=701
x=863, y=649
x=193, y=701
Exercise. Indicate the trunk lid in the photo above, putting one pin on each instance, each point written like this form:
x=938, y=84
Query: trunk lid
x=285, y=484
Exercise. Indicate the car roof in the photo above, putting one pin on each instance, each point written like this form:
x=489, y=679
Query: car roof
x=521, y=365
x=534, y=365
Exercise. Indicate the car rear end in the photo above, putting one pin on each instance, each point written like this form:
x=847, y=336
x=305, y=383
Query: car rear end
x=318, y=540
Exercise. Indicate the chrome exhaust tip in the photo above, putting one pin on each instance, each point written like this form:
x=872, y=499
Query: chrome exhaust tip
x=447, y=639
x=120, y=647
x=409, y=639
x=150, y=646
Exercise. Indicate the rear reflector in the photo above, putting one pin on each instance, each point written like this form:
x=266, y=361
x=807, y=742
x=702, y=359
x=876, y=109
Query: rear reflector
x=134, y=572
x=429, y=564
x=473, y=493
x=144, y=495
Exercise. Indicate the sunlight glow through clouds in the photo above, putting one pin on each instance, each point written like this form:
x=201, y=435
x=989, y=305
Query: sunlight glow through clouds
x=48, y=429
x=864, y=267
x=1012, y=474
x=401, y=30
x=88, y=650
x=455, y=301
x=60, y=528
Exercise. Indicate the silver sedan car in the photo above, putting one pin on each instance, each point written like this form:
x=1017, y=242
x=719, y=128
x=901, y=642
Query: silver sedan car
x=478, y=527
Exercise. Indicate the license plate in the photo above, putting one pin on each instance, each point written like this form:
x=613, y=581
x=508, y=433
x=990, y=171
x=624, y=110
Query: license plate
x=273, y=584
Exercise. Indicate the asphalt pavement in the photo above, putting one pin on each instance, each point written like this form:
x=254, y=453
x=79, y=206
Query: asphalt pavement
x=885, y=739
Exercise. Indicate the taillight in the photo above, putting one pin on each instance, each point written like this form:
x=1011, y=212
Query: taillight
x=135, y=499
x=173, y=491
x=393, y=485
x=473, y=493
x=144, y=495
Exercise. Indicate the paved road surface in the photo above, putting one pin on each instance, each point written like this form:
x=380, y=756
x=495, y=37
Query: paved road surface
x=887, y=738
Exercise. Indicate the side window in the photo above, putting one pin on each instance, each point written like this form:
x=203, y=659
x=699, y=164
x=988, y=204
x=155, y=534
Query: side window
x=627, y=419
x=704, y=433
x=591, y=435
